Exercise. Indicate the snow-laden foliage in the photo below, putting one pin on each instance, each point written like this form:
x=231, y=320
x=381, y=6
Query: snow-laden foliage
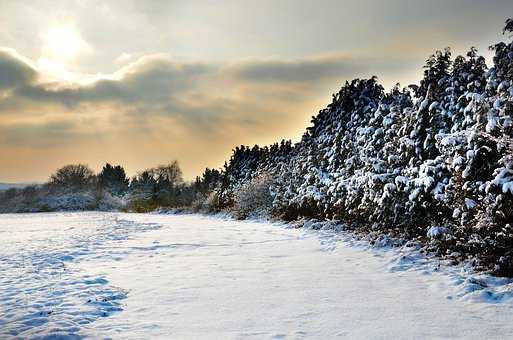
x=254, y=198
x=431, y=162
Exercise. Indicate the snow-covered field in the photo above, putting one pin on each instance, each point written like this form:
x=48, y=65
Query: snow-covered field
x=142, y=276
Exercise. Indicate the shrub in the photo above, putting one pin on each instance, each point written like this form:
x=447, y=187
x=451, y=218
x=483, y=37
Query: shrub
x=206, y=203
x=254, y=198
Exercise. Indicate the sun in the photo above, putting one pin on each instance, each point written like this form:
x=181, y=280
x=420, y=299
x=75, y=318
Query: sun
x=62, y=46
x=63, y=42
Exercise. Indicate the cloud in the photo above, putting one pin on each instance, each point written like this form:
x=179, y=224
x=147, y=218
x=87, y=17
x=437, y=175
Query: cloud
x=38, y=134
x=15, y=70
x=158, y=80
x=310, y=69
x=197, y=94
x=159, y=107
x=150, y=80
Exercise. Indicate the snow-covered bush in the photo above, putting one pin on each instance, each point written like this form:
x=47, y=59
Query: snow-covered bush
x=254, y=198
x=206, y=203
x=68, y=202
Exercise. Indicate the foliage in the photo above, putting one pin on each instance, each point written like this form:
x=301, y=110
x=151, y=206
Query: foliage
x=113, y=179
x=161, y=186
x=73, y=176
x=254, y=197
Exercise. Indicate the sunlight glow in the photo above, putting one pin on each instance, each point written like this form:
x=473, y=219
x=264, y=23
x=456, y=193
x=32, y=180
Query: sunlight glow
x=64, y=43
x=62, y=46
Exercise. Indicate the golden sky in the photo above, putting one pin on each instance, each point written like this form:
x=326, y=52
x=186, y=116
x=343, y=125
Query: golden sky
x=141, y=83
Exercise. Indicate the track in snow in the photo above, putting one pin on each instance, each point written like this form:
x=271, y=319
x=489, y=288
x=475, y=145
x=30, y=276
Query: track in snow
x=167, y=276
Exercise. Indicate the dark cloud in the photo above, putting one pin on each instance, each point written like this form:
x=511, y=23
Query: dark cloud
x=150, y=81
x=14, y=70
x=301, y=70
x=200, y=95
x=158, y=82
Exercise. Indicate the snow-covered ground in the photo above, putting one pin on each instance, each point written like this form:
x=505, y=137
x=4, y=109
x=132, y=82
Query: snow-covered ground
x=142, y=276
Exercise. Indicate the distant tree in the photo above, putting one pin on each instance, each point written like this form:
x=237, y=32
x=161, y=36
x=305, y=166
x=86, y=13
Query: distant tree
x=509, y=26
x=10, y=193
x=169, y=174
x=208, y=181
x=159, y=186
x=29, y=190
x=143, y=186
x=168, y=183
x=113, y=179
x=73, y=176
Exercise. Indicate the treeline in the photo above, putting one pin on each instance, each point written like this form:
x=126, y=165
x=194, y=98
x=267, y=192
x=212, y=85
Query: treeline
x=431, y=162
x=77, y=187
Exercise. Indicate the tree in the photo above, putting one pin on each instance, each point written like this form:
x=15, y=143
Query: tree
x=73, y=176
x=509, y=26
x=169, y=174
x=168, y=183
x=113, y=179
x=208, y=181
x=159, y=186
x=436, y=74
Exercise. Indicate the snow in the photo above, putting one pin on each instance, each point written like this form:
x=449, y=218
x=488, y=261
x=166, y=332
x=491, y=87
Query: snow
x=435, y=232
x=401, y=180
x=497, y=104
x=503, y=86
x=456, y=213
x=433, y=106
x=503, y=179
x=508, y=186
x=491, y=125
x=458, y=161
x=424, y=104
x=133, y=276
x=470, y=203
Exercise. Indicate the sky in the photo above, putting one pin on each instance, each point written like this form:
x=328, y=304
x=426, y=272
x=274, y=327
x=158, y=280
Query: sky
x=141, y=83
